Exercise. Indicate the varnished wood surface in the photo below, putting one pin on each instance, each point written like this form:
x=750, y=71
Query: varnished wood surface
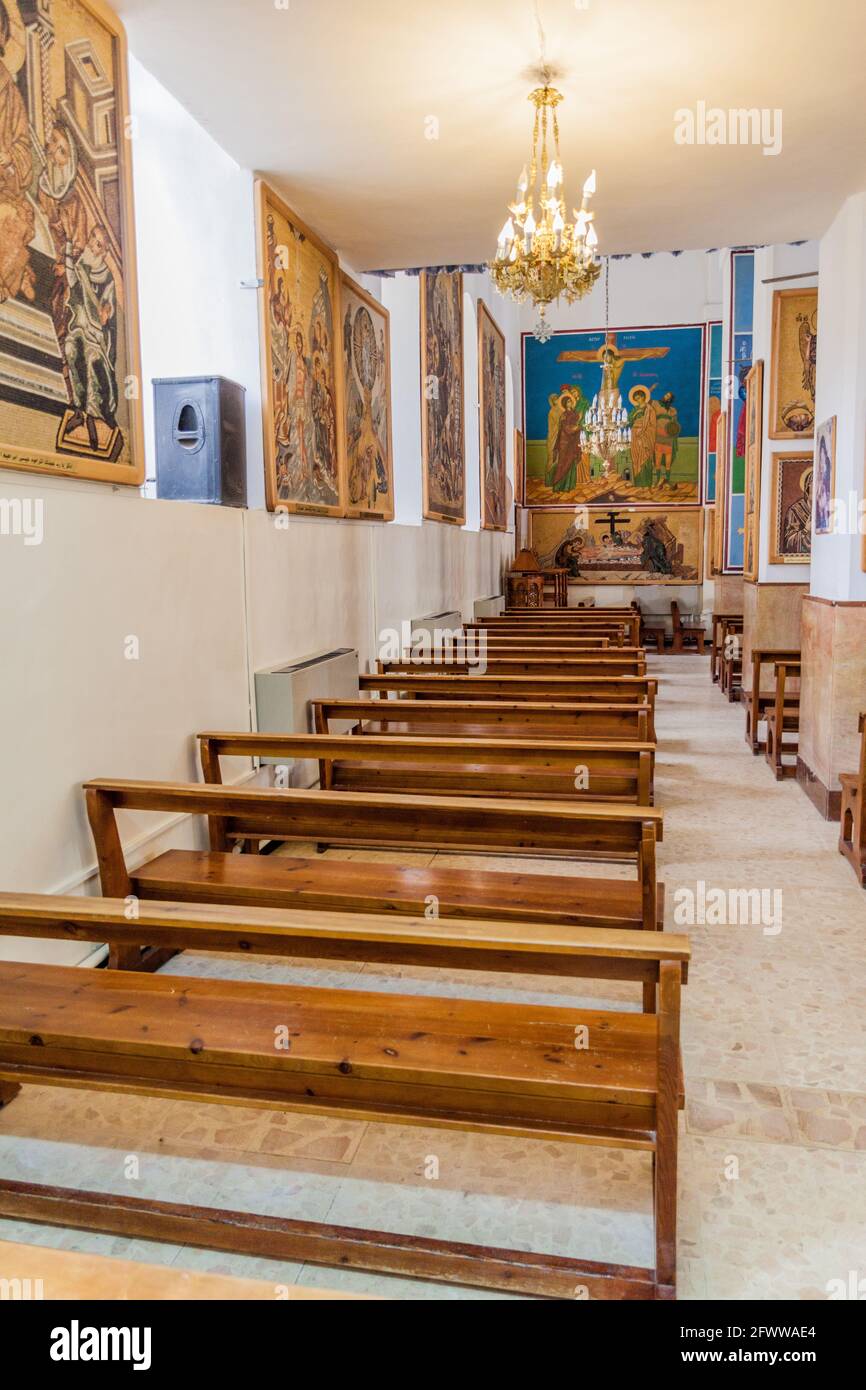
x=609, y=689
x=315, y=1242
x=621, y=771
x=583, y=664
x=488, y=718
x=355, y=885
x=201, y=926
x=513, y=1067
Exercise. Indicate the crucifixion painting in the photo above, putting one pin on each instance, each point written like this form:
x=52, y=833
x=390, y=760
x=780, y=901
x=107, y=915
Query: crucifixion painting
x=654, y=376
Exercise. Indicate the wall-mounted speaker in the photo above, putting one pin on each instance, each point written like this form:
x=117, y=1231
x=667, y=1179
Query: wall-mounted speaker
x=201, y=441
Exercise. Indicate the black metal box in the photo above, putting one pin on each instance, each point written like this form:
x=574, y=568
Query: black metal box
x=201, y=442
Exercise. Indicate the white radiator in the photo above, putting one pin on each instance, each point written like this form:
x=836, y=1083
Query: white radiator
x=283, y=695
x=425, y=629
x=488, y=607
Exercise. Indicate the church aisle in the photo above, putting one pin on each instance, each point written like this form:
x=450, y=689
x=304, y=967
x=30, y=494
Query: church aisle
x=773, y=1139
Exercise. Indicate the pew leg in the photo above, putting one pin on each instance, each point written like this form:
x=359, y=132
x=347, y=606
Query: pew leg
x=667, y=1133
x=8, y=1091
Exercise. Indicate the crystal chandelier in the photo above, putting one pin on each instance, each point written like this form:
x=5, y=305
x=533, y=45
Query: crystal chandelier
x=605, y=425
x=540, y=255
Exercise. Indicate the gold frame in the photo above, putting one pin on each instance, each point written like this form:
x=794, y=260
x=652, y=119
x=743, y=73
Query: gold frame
x=831, y=421
x=266, y=195
x=775, y=430
x=364, y=513
x=44, y=462
x=752, y=514
x=484, y=313
x=776, y=461
x=427, y=511
x=721, y=503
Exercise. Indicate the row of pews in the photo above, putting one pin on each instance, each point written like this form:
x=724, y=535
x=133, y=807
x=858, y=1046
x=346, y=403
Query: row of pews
x=542, y=751
x=772, y=701
x=772, y=706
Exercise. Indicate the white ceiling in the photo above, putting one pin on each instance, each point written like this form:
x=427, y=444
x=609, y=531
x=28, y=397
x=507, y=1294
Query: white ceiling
x=328, y=98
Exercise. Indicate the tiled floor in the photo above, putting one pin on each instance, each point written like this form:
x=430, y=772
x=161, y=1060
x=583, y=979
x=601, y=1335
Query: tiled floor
x=773, y=1142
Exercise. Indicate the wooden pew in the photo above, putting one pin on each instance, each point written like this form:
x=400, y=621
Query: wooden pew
x=628, y=628
x=783, y=718
x=486, y=1067
x=716, y=641
x=558, y=689
x=758, y=701
x=540, y=769
x=485, y=719
x=731, y=659
x=606, y=663
x=686, y=632
x=616, y=634
x=852, y=830
x=533, y=829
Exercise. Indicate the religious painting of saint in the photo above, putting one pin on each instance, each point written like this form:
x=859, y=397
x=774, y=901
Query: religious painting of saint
x=626, y=545
x=794, y=358
x=791, y=509
x=754, y=414
x=301, y=376
x=614, y=418
x=70, y=375
x=491, y=400
x=443, y=442
x=721, y=518
x=825, y=476
x=366, y=363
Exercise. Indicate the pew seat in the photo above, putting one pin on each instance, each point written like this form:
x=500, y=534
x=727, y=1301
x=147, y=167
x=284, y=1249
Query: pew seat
x=495, y=1068
x=485, y=719
x=359, y=885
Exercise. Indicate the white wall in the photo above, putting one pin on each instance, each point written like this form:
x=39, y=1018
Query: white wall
x=777, y=268
x=195, y=230
x=211, y=594
x=841, y=390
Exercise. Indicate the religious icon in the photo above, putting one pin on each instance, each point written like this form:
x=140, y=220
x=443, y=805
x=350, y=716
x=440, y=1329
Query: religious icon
x=794, y=359
x=70, y=377
x=651, y=380
x=825, y=476
x=366, y=362
x=791, y=512
x=754, y=413
x=443, y=445
x=492, y=366
x=304, y=449
x=621, y=546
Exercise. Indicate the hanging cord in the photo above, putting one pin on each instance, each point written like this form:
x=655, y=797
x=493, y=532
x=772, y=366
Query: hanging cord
x=542, y=44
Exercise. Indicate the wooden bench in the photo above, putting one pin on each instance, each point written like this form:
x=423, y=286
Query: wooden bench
x=783, y=720
x=540, y=769
x=616, y=635
x=558, y=689
x=612, y=663
x=716, y=641
x=758, y=701
x=564, y=830
x=686, y=632
x=731, y=678
x=485, y=719
x=545, y=621
x=493, y=1068
x=852, y=830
